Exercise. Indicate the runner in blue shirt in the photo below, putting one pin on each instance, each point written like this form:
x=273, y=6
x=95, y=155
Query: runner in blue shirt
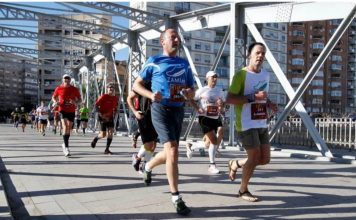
x=172, y=83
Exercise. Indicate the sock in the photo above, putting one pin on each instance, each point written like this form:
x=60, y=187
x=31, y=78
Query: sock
x=147, y=168
x=83, y=130
x=66, y=139
x=96, y=139
x=175, y=196
x=141, y=152
x=108, y=142
x=212, y=153
x=148, y=155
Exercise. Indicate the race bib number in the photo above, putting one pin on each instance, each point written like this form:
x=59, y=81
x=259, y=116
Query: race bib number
x=258, y=111
x=174, y=92
x=67, y=103
x=212, y=110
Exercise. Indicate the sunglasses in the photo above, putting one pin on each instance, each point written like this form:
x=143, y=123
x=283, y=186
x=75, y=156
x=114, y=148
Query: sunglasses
x=67, y=78
x=110, y=87
x=215, y=76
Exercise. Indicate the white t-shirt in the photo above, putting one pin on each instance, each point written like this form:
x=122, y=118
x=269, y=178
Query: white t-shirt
x=208, y=98
x=42, y=112
x=244, y=83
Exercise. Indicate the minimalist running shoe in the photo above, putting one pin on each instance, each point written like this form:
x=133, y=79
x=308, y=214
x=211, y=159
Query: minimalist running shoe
x=108, y=152
x=147, y=177
x=65, y=150
x=213, y=170
x=135, y=162
x=181, y=208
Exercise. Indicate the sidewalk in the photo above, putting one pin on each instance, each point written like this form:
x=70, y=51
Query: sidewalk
x=43, y=184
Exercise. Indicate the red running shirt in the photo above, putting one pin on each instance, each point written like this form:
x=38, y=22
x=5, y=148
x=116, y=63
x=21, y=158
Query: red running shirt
x=65, y=94
x=107, y=104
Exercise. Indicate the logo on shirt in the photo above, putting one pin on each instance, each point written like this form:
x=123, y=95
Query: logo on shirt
x=176, y=71
x=261, y=86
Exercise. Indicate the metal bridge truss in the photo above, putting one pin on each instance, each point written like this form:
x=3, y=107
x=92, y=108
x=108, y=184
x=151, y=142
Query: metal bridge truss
x=243, y=17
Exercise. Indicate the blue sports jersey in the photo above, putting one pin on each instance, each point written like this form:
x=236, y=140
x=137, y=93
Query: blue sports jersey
x=169, y=75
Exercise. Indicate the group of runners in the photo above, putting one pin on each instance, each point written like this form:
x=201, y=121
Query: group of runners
x=157, y=100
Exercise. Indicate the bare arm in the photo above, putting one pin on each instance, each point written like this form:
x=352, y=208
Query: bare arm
x=236, y=99
x=132, y=95
x=240, y=99
x=140, y=89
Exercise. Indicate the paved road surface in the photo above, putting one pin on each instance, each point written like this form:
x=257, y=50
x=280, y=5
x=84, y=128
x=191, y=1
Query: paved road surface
x=42, y=184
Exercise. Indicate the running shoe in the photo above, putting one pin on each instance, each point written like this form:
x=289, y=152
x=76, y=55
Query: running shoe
x=65, y=150
x=213, y=170
x=135, y=162
x=147, y=177
x=108, y=152
x=181, y=208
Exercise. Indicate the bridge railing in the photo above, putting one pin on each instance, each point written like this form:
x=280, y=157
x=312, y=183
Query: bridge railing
x=336, y=132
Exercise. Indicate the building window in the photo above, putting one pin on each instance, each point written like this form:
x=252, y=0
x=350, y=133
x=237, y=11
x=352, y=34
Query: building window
x=283, y=26
x=272, y=45
x=317, y=82
x=207, y=47
x=297, y=52
x=320, y=73
x=197, y=46
x=336, y=67
x=297, y=43
x=317, y=92
x=335, y=84
x=283, y=38
x=297, y=80
x=207, y=35
x=317, y=101
x=335, y=93
x=197, y=57
x=318, y=45
x=298, y=33
x=336, y=58
x=297, y=61
x=207, y=58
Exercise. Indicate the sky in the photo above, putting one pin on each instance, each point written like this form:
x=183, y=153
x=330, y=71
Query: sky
x=58, y=8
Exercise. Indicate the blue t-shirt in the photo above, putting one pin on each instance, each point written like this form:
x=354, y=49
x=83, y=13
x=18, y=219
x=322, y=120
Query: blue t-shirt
x=169, y=75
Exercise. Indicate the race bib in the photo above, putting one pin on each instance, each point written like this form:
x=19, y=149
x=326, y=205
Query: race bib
x=174, y=92
x=258, y=111
x=212, y=110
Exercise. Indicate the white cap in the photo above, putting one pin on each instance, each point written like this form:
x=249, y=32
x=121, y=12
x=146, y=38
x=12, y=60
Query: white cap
x=210, y=73
x=66, y=75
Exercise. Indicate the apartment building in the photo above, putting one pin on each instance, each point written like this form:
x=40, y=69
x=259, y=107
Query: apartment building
x=351, y=69
x=18, y=82
x=333, y=89
x=204, y=44
x=68, y=56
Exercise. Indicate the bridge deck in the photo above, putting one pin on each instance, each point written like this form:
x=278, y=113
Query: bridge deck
x=41, y=182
